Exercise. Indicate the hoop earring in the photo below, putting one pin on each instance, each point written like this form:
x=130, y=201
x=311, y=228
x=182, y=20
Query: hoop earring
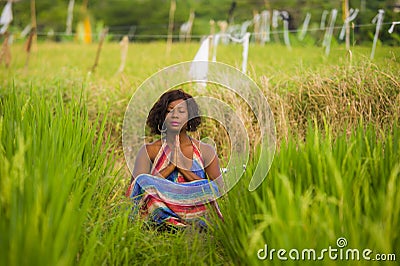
x=162, y=131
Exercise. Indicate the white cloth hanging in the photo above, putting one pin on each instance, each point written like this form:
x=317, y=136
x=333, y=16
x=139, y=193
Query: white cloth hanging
x=351, y=17
x=245, y=53
x=285, y=18
x=323, y=19
x=378, y=19
x=245, y=43
x=305, y=26
x=265, y=26
x=6, y=17
x=199, y=67
x=215, y=44
x=329, y=32
x=394, y=23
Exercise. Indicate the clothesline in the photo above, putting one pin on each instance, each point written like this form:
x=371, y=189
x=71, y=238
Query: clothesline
x=175, y=36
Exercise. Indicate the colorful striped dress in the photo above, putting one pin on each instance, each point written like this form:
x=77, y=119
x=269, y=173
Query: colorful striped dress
x=173, y=200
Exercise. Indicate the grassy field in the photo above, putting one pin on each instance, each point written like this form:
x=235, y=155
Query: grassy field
x=336, y=172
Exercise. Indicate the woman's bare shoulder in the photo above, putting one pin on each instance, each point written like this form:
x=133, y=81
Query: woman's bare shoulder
x=205, y=148
x=152, y=148
x=208, y=152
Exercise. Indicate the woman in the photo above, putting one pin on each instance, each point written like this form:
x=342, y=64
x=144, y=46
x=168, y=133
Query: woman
x=172, y=180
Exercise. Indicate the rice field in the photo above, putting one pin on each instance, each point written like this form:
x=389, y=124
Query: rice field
x=335, y=175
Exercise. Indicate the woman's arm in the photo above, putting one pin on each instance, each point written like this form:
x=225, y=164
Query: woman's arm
x=189, y=175
x=211, y=161
x=165, y=172
x=142, y=163
x=211, y=165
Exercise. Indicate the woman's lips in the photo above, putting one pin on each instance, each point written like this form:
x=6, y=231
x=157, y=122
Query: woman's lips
x=175, y=124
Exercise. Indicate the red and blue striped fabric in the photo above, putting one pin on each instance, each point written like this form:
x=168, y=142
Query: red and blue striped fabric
x=173, y=200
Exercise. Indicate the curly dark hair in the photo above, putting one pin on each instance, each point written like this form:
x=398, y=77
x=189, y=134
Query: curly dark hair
x=158, y=112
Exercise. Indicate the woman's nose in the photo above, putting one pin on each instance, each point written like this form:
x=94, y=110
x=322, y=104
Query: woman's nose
x=174, y=114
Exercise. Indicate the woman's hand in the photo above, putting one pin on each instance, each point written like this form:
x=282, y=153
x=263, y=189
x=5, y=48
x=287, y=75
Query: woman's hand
x=173, y=158
x=179, y=159
x=184, y=164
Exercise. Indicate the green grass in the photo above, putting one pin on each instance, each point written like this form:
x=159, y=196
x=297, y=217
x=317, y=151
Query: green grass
x=51, y=164
x=317, y=191
x=63, y=178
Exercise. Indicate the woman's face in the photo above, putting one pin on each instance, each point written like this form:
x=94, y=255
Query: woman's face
x=177, y=116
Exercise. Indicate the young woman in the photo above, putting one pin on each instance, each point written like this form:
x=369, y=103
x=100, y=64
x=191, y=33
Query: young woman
x=173, y=178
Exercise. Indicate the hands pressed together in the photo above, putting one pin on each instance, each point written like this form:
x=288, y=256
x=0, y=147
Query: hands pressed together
x=178, y=161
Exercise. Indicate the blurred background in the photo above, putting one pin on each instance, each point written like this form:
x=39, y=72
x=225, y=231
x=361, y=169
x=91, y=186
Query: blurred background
x=144, y=21
x=69, y=68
